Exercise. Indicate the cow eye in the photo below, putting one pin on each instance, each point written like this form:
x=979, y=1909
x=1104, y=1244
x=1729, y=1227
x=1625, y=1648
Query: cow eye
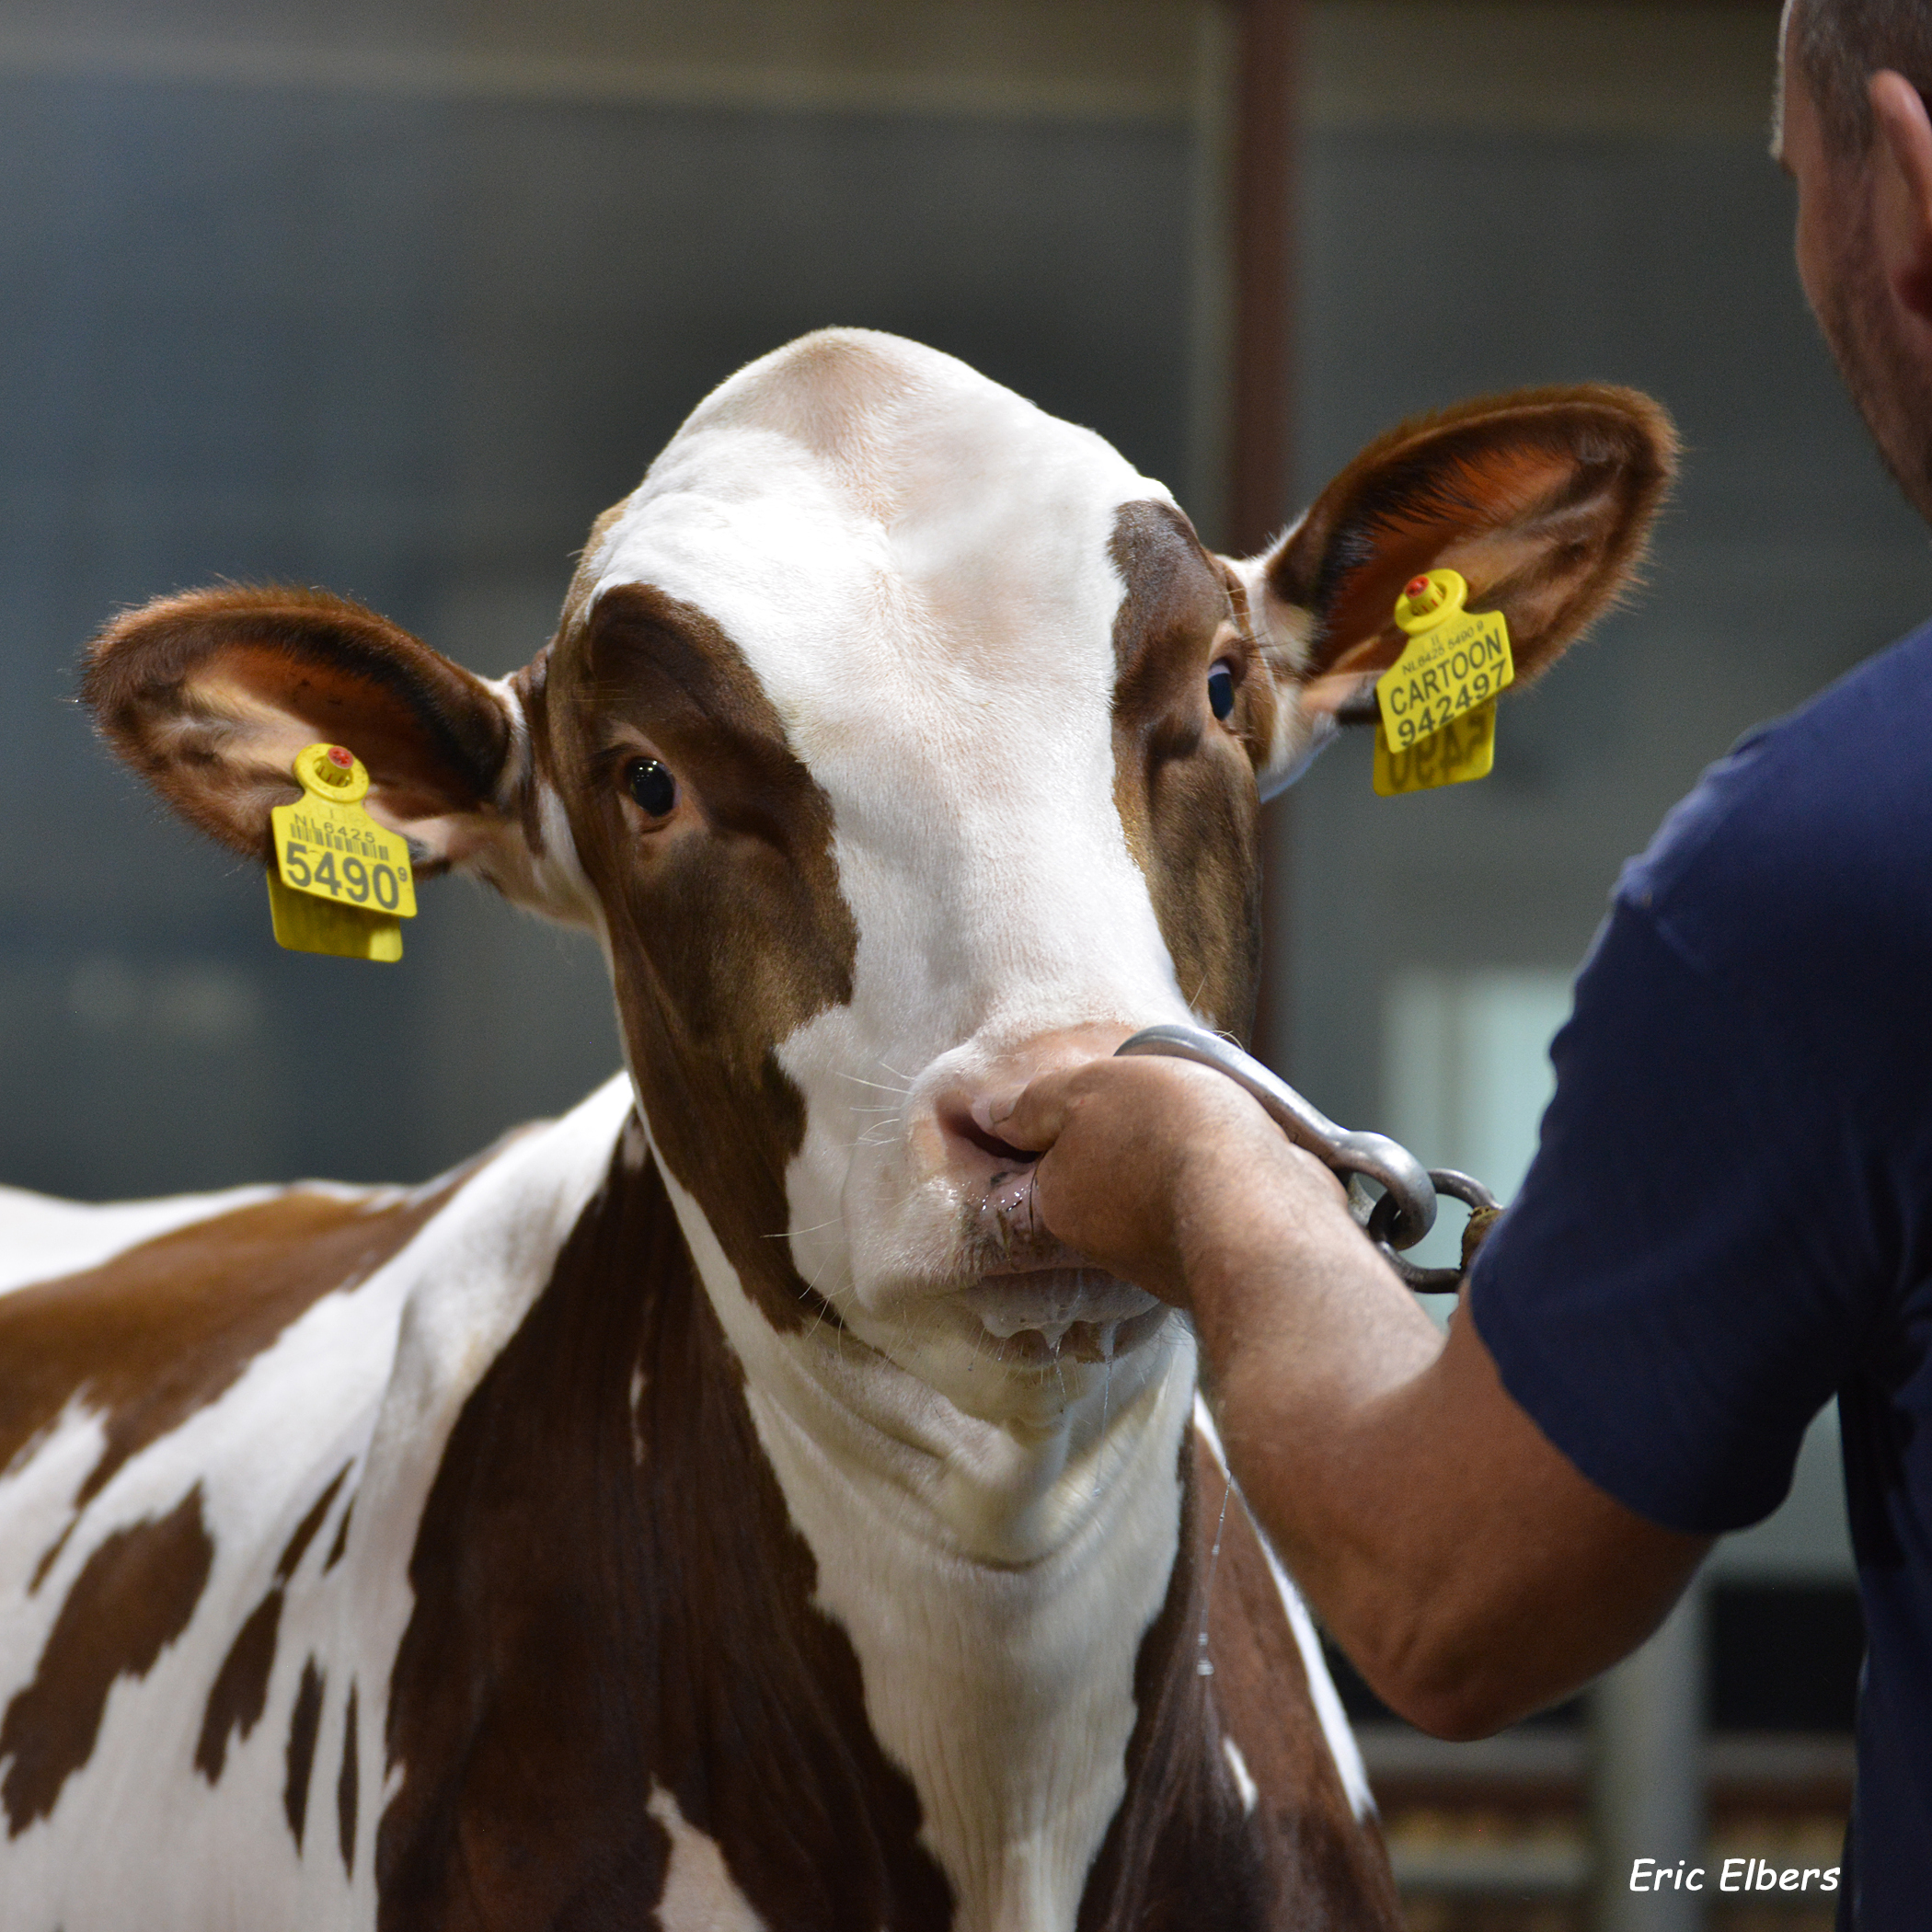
x=1220, y=689
x=651, y=786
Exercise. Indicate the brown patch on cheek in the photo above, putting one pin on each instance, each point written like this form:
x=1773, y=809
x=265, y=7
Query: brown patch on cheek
x=157, y=1333
x=133, y=1598
x=728, y=934
x=1184, y=786
x=1204, y=874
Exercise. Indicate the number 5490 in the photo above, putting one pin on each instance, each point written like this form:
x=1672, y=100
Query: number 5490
x=349, y=878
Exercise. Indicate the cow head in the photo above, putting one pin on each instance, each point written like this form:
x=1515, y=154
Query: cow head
x=897, y=741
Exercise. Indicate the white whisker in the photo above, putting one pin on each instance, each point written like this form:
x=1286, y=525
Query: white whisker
x=880, y=1085
x=787, y=1233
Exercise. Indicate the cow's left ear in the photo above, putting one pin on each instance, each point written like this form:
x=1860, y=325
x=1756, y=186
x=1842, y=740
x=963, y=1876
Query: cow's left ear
x=209, y=696
x=1541, y=498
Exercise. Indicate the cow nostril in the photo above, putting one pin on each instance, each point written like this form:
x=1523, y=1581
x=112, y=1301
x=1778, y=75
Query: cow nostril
x=968, y=1129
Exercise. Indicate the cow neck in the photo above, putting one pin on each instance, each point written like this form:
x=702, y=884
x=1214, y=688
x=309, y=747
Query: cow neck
x=995, y=1594
x=1006, y=1494
x=608, y=1602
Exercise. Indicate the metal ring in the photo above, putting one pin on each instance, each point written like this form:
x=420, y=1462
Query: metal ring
x=1458, y=1186
x=1374, y=1156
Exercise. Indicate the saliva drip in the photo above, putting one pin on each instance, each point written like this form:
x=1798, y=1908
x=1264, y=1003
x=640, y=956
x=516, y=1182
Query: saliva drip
x=1203, y=1663
x=1106, y=1403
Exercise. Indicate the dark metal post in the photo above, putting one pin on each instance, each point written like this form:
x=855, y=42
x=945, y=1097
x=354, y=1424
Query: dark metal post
x=1261, y=393
x=1262, y=372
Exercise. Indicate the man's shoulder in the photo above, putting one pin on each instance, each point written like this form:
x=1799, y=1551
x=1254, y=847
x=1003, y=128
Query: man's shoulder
x=1812, y=836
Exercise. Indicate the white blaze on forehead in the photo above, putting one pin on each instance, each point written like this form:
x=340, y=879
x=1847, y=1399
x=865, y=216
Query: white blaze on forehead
x=915, y=564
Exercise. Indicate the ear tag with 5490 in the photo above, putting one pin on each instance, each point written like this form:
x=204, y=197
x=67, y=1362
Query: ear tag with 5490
x=1438, y=700
x=340, y=882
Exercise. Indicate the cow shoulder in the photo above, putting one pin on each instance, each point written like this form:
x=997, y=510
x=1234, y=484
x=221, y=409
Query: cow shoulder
x=1239, y=1814
x=615, y=1681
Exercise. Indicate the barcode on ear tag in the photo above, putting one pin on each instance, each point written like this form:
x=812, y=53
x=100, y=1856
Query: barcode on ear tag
x=339, y=853
x=1444, y=670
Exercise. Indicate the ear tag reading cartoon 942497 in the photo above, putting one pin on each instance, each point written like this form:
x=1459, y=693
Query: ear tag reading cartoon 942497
x=340, y=882
x=1438, y=700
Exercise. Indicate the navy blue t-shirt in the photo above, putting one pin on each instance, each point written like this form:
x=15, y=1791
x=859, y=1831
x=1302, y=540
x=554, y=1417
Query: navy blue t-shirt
x=1729, y=1219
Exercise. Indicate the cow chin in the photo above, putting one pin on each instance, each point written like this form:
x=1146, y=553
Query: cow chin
x=1046, y=1316
x=927, y=1245
x=1008, y=1330
x=1025, y=1353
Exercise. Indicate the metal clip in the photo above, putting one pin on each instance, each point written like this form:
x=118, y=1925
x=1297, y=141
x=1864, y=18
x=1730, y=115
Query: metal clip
x=1406, y=1211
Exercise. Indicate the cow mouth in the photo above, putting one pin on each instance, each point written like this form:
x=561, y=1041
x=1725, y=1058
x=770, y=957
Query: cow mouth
x=1052, y=1315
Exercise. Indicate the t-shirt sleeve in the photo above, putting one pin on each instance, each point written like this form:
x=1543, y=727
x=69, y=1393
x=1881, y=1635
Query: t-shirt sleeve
x=1678, y=1287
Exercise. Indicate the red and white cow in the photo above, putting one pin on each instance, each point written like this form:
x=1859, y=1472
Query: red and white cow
x=715, y=1509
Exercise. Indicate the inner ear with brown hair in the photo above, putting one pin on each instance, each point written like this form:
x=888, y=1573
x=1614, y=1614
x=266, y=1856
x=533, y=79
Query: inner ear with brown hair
x=1541, y=498
x=210, y=695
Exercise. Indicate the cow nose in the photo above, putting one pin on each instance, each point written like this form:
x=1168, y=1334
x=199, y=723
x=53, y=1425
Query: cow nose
x=966, y=1109
x=963, y=1130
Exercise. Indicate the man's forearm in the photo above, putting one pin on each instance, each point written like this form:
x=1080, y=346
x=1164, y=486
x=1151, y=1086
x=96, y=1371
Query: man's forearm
x=1465, y=1566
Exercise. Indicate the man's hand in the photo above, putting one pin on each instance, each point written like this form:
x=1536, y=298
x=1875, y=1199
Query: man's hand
x=1468, y=1569
x=1151, y=1163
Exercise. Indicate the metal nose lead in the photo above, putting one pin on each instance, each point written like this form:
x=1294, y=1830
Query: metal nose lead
x=1406, y=1211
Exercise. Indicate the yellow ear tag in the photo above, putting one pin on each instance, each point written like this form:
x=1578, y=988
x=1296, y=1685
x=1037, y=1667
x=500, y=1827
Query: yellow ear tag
x=1438, y=700
x=340, y=883
x=1465, y=748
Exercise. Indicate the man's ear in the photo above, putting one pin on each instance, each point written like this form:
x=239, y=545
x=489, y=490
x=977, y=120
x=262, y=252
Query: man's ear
x=1541, y=498
x=1902, y=189
x=210, y=695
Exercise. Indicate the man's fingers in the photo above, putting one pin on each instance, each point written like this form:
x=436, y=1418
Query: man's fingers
x=1035, y=1117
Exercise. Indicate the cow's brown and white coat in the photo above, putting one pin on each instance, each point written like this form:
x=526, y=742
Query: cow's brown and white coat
x=722, y=1508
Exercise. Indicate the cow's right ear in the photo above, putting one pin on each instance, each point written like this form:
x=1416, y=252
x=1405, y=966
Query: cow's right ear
x=1541, y=498
x=209, y=696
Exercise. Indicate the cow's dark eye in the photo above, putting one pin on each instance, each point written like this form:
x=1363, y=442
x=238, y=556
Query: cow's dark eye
x=1221, y=690
x=651, y=785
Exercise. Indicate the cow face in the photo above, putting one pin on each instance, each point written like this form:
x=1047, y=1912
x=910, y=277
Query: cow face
x=897, y=741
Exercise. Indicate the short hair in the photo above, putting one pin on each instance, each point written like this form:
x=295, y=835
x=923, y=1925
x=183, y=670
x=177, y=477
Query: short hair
x=1840, y=44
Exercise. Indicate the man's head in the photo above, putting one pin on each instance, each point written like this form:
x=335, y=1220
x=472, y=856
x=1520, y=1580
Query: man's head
x=1854, y=134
